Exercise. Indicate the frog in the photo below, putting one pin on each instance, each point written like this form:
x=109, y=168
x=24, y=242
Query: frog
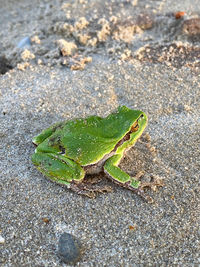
x=69, y=151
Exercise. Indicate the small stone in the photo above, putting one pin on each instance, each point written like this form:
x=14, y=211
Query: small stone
x=4, y=65
x=145, y=21
x=46, y=220
x=25, y=42
x=179, y=14
x=2, y=240
x=39, y=61
x=191, y=27
x=69, y=248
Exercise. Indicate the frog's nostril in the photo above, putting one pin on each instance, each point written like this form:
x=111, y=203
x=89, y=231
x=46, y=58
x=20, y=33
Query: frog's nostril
x=141, y=117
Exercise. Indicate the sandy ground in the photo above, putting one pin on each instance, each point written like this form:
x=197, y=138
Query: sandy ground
x=133, y=53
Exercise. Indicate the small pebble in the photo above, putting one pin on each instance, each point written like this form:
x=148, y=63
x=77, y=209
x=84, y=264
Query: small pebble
x=25, y=42
x=2, y=240
x=69, y=248
x=191, y=27
x=145, y=21
x=179, y=14
x=4, y=65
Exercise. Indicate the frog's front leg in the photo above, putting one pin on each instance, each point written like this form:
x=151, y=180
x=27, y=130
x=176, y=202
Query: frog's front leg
x=120, y=177
x=58, y=168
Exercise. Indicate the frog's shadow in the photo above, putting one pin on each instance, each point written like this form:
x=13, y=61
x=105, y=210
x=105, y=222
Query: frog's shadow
x=139, y=159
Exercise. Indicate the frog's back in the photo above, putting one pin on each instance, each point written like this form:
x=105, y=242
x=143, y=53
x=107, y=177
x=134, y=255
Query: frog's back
x=88, y=140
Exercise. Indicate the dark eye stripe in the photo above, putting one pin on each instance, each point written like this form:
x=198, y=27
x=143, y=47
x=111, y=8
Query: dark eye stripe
x=135, y=127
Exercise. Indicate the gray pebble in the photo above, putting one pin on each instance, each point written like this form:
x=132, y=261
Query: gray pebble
x=25, y=42
x=2, y=240
x=145, y=21
x=191, y=27
x=4, y=65
x=69, y=248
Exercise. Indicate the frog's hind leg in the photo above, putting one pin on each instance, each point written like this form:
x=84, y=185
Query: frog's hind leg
x=65, y=171
x=58, y=168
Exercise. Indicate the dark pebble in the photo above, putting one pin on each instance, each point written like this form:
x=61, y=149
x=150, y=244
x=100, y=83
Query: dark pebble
x=191, y=27
x=145, y=21
x=4, y=65
x=69, y=248
x=25, y=42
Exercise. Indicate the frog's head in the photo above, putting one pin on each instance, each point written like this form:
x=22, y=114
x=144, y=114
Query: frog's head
x=134, y=121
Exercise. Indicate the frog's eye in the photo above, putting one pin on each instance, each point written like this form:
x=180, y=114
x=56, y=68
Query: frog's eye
x=135, y=127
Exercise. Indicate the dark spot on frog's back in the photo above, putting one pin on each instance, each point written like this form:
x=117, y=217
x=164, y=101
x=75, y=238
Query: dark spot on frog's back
x=55, y=141
x=58, y=126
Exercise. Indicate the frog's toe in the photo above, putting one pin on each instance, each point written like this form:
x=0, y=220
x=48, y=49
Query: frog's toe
x=153, y=183
x=139, y=191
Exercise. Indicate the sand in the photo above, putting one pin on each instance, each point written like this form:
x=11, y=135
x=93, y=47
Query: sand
x=133, y=53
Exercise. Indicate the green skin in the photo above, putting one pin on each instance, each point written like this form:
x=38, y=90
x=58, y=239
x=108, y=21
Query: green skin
x=69, y=150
